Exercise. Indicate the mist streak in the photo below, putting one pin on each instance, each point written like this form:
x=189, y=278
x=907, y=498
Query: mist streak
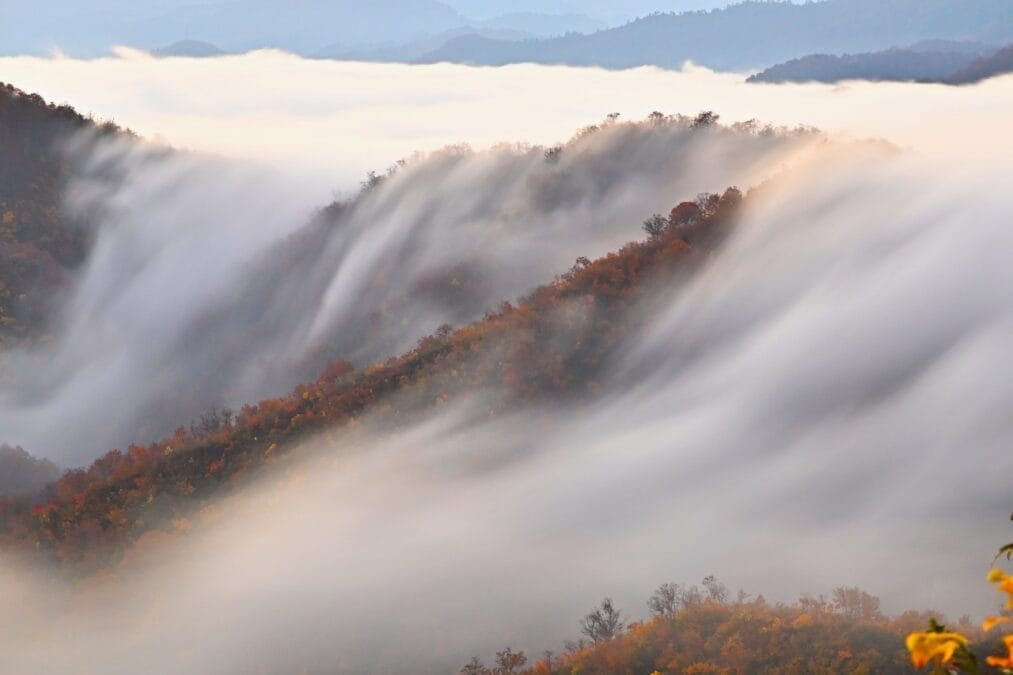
x=826, y=403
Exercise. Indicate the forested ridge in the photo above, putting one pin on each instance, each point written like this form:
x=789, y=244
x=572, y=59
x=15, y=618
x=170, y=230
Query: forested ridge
x=694, y=630
x=551, y=344
x=39, y=243
x=938, y=61
x=748, y=34
x=999, y=63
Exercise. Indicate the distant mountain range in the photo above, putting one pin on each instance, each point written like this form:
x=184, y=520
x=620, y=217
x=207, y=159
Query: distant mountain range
x=801, y=38
x=510, y=27
x=195, y=48
x=610, y=11
x=301, y=26
x=412, y=50
x=543, y=25
x=751, y=34
x=928, y=61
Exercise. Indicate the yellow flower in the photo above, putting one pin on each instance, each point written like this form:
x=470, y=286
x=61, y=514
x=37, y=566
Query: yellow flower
x=1007, y=588
x=1003, y=661
x=938, y=647
x=991, y=622
x=1005, y=583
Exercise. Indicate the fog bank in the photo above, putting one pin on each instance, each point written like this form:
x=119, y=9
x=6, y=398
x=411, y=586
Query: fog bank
x=823, y=405
x=212, y=283
x=826, y=403
x=331, y=121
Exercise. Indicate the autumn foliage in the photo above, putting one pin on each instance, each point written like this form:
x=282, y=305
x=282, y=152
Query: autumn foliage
x=38, y=243
x=813, y=635
x=551, y=344
x=695, y=630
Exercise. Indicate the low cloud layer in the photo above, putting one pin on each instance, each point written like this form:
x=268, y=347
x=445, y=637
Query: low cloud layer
x=214, y=284
x=826, y=403
x=332, y=121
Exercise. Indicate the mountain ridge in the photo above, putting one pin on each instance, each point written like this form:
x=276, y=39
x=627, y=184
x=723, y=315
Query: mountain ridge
x=88, y=517
x=931, y=61
x=39, y=242
x=750, y=34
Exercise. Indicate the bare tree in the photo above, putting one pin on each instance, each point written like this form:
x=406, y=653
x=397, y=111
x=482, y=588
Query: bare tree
x=508, y=661
x=716, y=591
x=211, y=421
x=705, y=119
x=815, y=605
x=655, y=225
x=855, y=603
x=571, y=647
x=604, y=623
x=666, y=600
x=372, y=181
x=691, y=596
x=474, y=667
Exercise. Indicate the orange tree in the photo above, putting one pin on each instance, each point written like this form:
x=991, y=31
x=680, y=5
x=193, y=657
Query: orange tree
x=948, y=651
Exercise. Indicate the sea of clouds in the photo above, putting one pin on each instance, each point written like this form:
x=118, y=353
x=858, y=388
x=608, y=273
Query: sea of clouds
x=825, y=404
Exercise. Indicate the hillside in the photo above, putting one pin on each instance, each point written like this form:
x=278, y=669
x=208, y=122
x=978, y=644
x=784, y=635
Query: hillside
x=90, y=516
x=914, y=64
x=751, y=34
x=704, y=630
x=999, y=63
x=39, y=243
x=22, y=475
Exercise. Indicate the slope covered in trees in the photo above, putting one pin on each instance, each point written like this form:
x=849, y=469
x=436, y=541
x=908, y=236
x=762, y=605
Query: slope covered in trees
x=39, y=243
x=999, y=63
x=551, y=344
x=933, y=62
x=696, y=630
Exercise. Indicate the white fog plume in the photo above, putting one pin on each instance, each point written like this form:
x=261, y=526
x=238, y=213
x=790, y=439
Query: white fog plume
x=206, y=287
x=825, y=404
x=330, y=121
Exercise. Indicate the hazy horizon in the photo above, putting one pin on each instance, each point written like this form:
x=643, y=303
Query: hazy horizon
x=67, y=26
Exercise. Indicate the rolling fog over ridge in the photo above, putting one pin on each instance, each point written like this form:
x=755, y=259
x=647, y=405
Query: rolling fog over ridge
x=166, y=215
x=790, y=419
x=207, y=240
x=793, y=376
